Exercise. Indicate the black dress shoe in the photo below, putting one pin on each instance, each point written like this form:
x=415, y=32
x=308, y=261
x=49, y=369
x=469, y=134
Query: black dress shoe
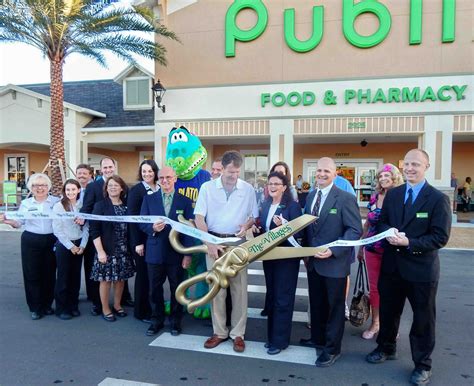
x=420, y=377
x=309, y=343
x=176, y=329
x=75, y=313
x=48, y=311
x=267, y=345
x=326, y=360
x=378, y=356
x=273, y=351
x=154, y=329
x=95, y=311
x=36, y=316
x=146, y=320
x=64, y=316
x=264, y=312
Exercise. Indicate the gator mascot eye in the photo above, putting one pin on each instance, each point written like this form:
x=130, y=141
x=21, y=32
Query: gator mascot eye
x=185, y=153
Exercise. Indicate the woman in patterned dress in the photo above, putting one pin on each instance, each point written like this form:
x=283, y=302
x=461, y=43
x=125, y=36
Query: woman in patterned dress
x=113, y=262
x=388, y=176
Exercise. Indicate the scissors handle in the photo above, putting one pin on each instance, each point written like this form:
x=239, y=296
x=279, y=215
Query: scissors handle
x=176, y=244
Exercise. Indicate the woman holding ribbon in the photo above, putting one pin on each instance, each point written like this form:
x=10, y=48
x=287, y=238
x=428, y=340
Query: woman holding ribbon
x=388, y=177
x=148, y=176
x=72, y=240
x=37, y=242
x=113, y=262
x=281, y=276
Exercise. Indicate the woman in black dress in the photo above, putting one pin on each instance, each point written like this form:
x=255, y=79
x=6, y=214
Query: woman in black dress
x=113, y=262
x=148, y=175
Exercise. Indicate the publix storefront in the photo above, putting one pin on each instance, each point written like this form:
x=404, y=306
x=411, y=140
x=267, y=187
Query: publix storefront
x=361, y=82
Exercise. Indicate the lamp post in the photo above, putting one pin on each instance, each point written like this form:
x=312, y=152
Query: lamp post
x=158, y=92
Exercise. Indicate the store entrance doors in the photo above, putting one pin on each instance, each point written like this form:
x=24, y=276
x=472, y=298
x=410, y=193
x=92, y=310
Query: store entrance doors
x=359, y=172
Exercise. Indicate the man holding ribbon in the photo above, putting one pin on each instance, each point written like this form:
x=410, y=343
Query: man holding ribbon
x=338, y=219
x=162, y=260
x=227, y=207
x=421, y=215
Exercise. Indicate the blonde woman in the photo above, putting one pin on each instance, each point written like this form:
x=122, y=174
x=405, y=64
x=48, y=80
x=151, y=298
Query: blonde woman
x=388, y=177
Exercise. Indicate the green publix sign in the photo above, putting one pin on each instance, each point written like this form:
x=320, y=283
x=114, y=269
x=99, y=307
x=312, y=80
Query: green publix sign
x=350, y=12
x=368, y=96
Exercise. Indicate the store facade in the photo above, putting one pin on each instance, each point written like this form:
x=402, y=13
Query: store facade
x=295, y=81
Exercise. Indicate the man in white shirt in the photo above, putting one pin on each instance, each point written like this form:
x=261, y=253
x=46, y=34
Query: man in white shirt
x=227, y=207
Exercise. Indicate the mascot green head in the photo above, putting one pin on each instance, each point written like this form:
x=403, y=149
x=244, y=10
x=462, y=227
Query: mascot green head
x=185, y=153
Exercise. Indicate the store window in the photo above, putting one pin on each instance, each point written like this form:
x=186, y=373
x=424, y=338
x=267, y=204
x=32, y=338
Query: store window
x=137, y=93
x=256, y=172
x=17, y=166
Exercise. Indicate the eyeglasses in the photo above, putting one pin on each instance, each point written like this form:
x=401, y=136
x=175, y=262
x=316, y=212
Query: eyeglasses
x=44, y=186
x=274, y=184
x=168, y=178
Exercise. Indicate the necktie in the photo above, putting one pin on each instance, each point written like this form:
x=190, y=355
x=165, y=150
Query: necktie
x=167, y=204
x=408, y=204
x=317, y=204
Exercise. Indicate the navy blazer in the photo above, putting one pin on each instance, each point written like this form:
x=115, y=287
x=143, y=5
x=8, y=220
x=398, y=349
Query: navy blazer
x=158, y=249
x=427, y=226
x=134, y=205
x=339, y=219
x=289, y=211
x=104, y=229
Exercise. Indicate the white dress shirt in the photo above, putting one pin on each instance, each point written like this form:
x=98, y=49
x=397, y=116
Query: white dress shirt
x=324, y=195
x=41, y=227
x=67, y=230
x=224, y=213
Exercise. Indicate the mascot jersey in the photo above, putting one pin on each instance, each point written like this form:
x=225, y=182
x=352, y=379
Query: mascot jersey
x=190, y=188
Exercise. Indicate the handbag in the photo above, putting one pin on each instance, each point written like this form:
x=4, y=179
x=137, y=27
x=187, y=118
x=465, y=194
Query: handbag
x=359, y=311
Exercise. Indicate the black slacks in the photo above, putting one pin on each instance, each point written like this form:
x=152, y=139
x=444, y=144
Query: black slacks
x=142, y=309
x=68, y=279
x=157, y=274
x=92, y=286
x=394, y=290
x=327, y=302
x=281, y=277
x=39, y=269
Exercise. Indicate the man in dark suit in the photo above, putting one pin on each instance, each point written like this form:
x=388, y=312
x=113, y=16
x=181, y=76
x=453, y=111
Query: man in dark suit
x=338, y=219
x=163, y=261
x=421, y=216
x=95, y=193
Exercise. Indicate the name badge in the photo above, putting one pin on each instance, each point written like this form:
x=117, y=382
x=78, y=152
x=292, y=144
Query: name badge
x=179, y=211
x=333, y=211
x=422, y=215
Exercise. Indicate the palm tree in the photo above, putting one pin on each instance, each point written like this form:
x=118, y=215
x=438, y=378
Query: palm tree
x=59, y=28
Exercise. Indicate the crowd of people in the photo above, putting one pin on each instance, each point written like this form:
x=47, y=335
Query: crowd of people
x=403, y=266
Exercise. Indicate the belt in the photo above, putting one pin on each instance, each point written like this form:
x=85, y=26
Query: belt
x=222, y=235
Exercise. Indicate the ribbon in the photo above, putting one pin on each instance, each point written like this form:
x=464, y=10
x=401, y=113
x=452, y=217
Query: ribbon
x=181, y=228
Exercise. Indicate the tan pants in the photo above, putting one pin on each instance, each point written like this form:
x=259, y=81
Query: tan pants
x=238, y=291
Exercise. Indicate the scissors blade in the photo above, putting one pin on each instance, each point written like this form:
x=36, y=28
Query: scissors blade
x=290, y=252
x=269, y=240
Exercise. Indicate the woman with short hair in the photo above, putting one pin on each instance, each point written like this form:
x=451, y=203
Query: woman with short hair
x=37, y=242
x=113, y=262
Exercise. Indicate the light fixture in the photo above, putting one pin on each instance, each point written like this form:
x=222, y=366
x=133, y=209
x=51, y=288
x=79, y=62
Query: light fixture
x=158, y=92
x=363, y=143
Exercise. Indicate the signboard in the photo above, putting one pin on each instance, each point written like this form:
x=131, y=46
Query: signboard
x=9, y=192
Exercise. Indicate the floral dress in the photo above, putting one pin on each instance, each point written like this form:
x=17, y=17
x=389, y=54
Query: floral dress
x=120, y=265
x=373, y=218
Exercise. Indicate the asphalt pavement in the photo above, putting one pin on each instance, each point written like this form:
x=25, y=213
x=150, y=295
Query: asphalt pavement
x=89, y=351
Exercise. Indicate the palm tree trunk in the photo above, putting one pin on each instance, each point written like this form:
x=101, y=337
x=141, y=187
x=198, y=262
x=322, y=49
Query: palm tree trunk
x=56, y=152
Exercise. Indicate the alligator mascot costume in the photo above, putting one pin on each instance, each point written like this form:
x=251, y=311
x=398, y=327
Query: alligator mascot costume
x=186, y=155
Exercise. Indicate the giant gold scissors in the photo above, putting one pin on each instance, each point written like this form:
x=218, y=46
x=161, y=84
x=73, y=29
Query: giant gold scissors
x=236, y=258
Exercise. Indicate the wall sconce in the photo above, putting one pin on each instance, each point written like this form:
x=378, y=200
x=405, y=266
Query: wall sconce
x=363, y=143
x=158, y=92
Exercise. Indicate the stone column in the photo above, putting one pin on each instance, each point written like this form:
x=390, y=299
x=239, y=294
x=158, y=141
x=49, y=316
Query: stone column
x=282, y=142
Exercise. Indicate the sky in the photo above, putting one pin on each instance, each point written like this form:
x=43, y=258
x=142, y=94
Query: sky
x=23, y=64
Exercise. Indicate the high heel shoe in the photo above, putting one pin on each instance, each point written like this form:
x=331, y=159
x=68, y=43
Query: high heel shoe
x=369, y=334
